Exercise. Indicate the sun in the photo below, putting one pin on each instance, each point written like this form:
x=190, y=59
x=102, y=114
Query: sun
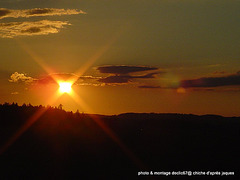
x=65, y=87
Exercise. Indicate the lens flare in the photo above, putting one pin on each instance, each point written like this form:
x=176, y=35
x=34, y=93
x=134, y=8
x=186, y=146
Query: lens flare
x=65, y=87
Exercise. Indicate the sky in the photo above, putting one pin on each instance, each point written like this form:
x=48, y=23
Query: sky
x=162, y=56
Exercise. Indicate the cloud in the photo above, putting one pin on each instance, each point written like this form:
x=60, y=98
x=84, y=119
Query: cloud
x=121, y=73
x=115, y=79
x=90, y=84
x=149, y=75
x=6, y=13
x=15, y=93
x=54, y=77
x=149, y=87
x=82, y=80
x=48, y=79
x=220, y=89
x=124, y=69
x=44, y=27
x=89, y=77
x=214, y=65
x=219, y=72
x=125, y=78
x=20, y=77
x=229, y=80
x=204, y=89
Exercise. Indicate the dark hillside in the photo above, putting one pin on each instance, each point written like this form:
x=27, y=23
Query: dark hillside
x=63, y=145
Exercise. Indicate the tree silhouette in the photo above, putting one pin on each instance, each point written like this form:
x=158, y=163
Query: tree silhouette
x=60, y=106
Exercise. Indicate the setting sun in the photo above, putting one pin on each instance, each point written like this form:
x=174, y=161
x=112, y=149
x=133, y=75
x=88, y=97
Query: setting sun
x=65, y=87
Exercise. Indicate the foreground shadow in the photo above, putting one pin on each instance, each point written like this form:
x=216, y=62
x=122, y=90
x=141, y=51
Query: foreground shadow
x=66, y=145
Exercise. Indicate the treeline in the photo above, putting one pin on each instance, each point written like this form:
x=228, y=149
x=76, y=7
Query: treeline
x=29, y=109
x=29, y=105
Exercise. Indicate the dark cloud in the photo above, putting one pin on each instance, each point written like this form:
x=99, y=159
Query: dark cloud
x=115, y=79
x=204, y=89
x=124, y=69
x=220, y=89
x=39, y=11
x=125, y=78
x=229, y=80
x=149, y=87
x=121, y=73
x=150, y=75
x=32, y=30
x=4, y=12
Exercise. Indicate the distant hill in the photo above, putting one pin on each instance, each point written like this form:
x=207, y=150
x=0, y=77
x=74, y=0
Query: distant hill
x=53, y=144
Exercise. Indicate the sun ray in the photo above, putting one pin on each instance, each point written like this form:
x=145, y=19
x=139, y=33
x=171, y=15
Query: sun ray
x=108, y=131
x=101, y=51
x=35, y=57
x=27, y=125
x=65, y=87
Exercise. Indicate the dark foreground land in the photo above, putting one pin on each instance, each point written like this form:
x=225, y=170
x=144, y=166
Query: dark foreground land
x=65, y=145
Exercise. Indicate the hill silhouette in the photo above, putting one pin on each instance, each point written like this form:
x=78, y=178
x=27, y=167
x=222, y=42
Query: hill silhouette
x=65, y=145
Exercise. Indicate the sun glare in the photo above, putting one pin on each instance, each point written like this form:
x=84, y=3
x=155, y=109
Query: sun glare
x=65, y=87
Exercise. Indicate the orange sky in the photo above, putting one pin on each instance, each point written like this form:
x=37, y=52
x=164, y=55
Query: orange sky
x=126, y=56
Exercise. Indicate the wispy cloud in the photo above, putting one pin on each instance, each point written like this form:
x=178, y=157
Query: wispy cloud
x=15, y=93
x=6, y=13
x=26, y=28
x=112, y=79
x=20, y=77
x=229, y=80
x=53, y=79
x=219, y=72
x=44, y=27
